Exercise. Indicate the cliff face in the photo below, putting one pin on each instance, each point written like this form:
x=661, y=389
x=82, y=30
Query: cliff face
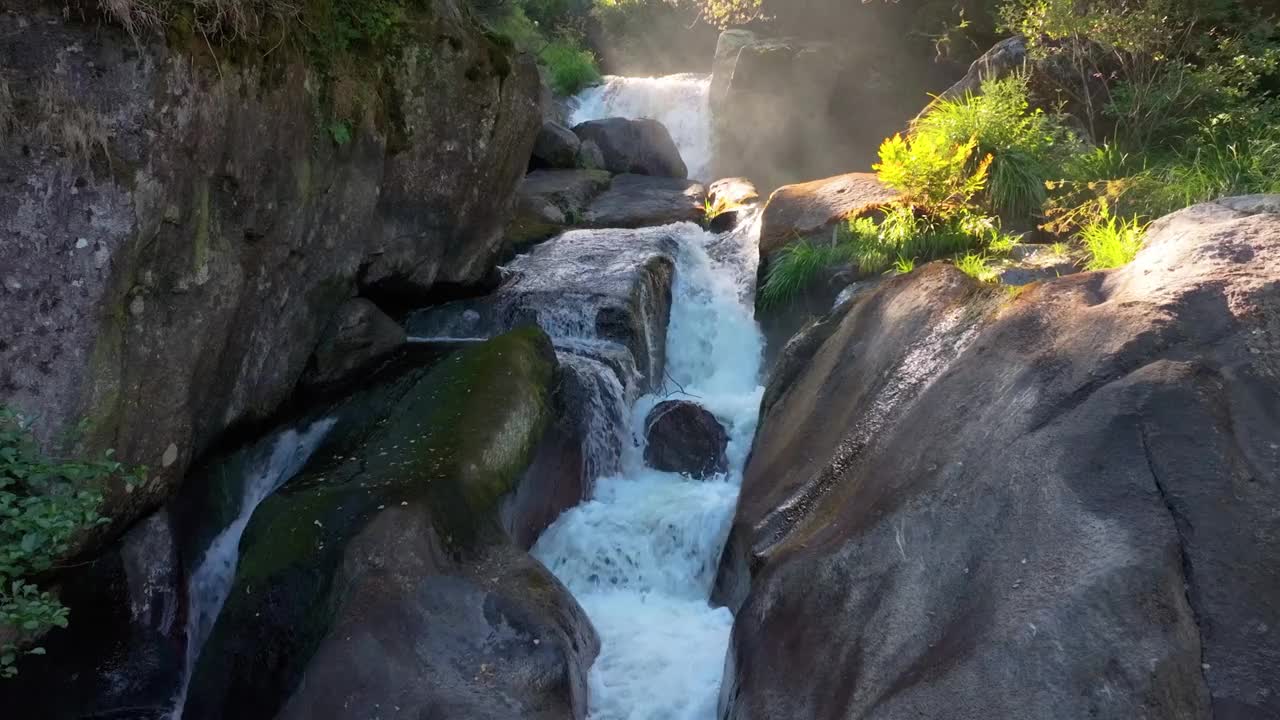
x=179, y=220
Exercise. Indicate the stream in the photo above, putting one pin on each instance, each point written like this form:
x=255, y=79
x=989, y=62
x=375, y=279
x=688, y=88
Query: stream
x=641, y=554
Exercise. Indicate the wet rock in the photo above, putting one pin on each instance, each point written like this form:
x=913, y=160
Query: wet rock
x=683, y=437
x=641, y=147
x=359, y=334
x=121, y=656
x=634, y=201
x=729, y=200
x=179, y=286
x=983, y=504
x=384, y=574
x=551, y=201
x=603, y=293
x=556, y=147
x=590, y=156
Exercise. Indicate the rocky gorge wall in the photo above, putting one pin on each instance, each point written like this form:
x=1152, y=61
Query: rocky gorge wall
x=181, y=220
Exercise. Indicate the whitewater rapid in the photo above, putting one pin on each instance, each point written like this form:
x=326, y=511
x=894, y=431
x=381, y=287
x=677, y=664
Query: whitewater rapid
x=680, y=102
x=641, y=555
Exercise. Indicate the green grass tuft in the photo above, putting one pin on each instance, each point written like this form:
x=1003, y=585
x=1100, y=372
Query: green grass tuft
x=1111, y=241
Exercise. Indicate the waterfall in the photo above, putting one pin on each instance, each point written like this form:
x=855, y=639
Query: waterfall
x=209, y=584
x=641, y=555
x=681, y=102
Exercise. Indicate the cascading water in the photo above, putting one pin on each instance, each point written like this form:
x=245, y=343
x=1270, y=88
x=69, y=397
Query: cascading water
x=641, y=555
x=680, y=102
x=209, y=584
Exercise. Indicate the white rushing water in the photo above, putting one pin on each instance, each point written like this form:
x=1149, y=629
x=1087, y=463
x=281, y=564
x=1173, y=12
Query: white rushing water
x=210, y=583
x=681, y=102
x=641, y=555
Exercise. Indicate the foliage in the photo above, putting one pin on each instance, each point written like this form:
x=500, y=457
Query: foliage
x=1111, y=241
x=571, y=66
x=1023, y=144
x=975, y=265
x=44, y=503
x=931, y=170
x=906, y=235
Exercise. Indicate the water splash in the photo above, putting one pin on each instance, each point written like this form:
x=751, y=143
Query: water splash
x=680, y=102
x=641, y=555
x=210, y=583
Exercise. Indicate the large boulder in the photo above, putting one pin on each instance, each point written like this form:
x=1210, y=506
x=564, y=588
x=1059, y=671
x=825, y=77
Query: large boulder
x=635, y=201
x=606, y=293
x=815, y=207
x=556, y=147
x=1059, y=504
x=385, y=575
x=642, y=147
x=551, y=201
x=683, y=437
x=173, y=279
x=358, y=335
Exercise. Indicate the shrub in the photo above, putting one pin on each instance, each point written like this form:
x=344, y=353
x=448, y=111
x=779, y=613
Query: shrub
x=571, y=66
x=931, y=170
x=1111, y=241
x=1024, y=145
x=44, y=504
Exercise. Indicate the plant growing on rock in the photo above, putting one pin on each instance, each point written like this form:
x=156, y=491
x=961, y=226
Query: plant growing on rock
x=1111, y=241
x=44, y=504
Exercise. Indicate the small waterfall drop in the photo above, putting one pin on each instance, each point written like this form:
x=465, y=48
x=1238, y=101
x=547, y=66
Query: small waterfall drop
x=641, y=555
x=681, y=102
x=210, y=582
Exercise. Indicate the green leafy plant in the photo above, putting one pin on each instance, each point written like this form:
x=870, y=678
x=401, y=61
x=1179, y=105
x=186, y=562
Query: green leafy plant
x=572, y=67
x=1023, y=144
x=976, y=266
x=903, y=266
x=340, y=132
x=44, y=504
x=931, y=170
x=1111, y=241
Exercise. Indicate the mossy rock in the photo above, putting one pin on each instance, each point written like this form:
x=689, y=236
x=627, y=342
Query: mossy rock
x=450, y=442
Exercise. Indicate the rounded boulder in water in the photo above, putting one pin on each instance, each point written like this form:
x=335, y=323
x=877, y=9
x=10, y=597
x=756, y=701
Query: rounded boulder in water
x=684, y=437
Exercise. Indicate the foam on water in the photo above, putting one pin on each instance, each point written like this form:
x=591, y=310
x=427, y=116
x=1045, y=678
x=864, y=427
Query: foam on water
x=680, y=102
x=641, y=555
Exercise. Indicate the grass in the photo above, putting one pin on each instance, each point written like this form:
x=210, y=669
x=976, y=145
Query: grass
x=906, y=235
x=1024, y=145
x=571, y=66
x=1111, y=241
x=975, y=265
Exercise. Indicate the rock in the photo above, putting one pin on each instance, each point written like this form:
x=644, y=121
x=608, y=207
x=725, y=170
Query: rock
x=1005, y=58
x=122, y=653
x=359, y=334
x=590, y=156
x=814, y=207
x=556, y=147
x=642, y=147
x=1054, y=505
x=550, y=201
x=634, y=201
x=683, y=437
x=728, y=47
x=607, y=292
x=384, y=575
x=180, y=288
x=1031, y=263
x=728, y=201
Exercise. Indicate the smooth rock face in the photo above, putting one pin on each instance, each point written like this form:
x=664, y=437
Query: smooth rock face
x=634, y=201
x=556, y=147
x=796, y=211
x=641, y=147
x=359, y=334
x=384, y=575
x=182, y=286
x=683, y=437
x=1057, y=505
